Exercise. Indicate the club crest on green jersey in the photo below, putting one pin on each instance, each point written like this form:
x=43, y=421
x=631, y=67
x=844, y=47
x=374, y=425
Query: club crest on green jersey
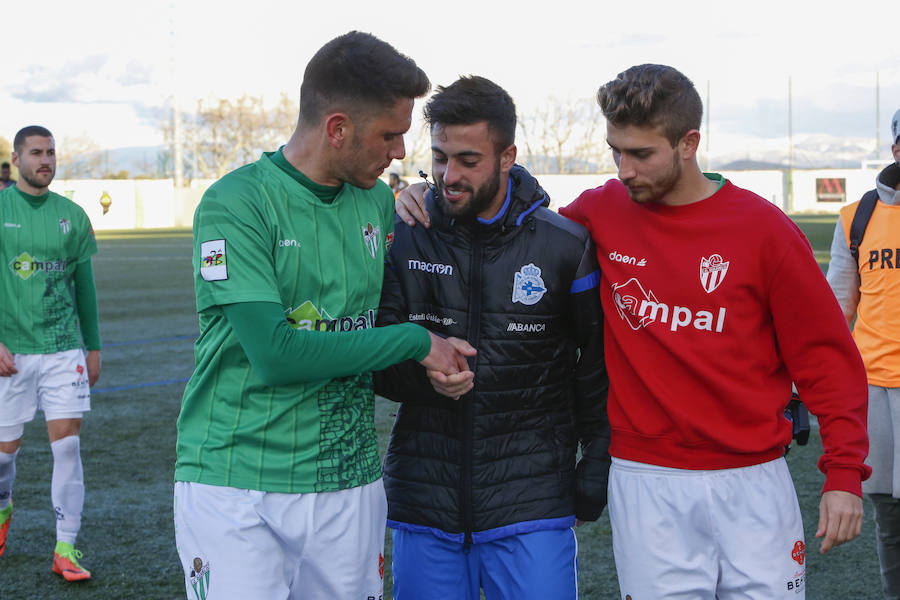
x=213, y=266
x=64, y=226
x=370, y=235
x=199, y=578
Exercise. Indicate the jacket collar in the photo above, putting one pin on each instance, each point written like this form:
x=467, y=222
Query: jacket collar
x=524, y=195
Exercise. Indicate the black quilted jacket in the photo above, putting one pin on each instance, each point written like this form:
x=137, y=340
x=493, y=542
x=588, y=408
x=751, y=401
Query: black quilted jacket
x=523, y=291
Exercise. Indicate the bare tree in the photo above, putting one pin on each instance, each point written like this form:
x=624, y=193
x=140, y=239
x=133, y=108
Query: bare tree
x=590, y=151
x=280, y=121
x=222, y=134
x=78, y=157
x=545, y=132
x=563, y=136
x=147, y=166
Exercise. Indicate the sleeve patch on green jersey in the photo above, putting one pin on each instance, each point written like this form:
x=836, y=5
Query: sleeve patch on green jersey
x=212, y=261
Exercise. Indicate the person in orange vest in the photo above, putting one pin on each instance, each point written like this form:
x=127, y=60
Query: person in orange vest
x=396, y=183
x=868, y=287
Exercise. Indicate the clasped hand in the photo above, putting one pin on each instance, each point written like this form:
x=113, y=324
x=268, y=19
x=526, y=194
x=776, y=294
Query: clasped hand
x=447, y=367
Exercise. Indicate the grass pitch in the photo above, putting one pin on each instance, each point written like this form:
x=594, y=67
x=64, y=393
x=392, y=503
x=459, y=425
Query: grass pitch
x=148, y=324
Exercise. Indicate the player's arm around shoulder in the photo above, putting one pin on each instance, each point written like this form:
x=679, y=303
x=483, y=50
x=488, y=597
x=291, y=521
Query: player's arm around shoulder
x=410, y=205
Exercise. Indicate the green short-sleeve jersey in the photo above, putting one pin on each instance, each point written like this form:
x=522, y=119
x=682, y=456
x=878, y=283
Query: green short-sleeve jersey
x=260, y=236
x=42, y=240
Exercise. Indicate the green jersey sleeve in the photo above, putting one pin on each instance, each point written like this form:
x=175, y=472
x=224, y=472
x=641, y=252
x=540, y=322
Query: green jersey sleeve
x=282, y=356
x=86, y=304
x=233, y=242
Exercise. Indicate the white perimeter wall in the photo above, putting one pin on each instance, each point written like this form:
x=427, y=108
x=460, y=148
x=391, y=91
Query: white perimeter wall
x=150, y=204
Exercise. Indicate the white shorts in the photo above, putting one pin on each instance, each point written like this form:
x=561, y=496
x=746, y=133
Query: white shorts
x=705, y=535
x=239, y=544
x=54, y=383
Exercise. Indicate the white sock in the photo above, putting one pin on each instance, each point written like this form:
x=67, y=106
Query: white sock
x=67, y=487
x=7, y=476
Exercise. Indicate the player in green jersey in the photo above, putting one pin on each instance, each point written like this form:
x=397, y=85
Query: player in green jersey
x=278, y=484
x=48, y=303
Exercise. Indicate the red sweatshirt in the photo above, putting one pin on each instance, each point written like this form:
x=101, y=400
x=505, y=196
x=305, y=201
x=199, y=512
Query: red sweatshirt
x=711, y=311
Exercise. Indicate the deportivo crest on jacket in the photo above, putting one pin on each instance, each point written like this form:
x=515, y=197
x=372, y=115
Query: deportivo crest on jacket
x=528, y=287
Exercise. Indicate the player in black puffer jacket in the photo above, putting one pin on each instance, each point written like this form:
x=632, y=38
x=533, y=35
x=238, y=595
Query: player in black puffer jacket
x=522, y=289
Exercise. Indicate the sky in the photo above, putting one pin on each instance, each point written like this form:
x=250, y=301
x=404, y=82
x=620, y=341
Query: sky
x=111, y=71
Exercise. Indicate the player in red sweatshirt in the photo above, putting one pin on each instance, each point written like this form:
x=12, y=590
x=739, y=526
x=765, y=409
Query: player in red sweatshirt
x=714, y=304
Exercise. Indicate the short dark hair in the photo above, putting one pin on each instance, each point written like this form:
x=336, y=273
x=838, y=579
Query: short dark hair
x=4, y=165
x=358, y=72
x=652, y=96
x=472, y=99
x=27, y=132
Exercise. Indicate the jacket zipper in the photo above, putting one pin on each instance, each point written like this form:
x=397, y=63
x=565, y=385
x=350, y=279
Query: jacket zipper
x=473, y=336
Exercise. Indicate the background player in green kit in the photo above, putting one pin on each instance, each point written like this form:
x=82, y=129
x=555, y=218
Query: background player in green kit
x=48, y=303
x=278, y=489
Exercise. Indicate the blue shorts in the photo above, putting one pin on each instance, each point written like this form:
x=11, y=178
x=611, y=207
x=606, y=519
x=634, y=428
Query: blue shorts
x=539, y=565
